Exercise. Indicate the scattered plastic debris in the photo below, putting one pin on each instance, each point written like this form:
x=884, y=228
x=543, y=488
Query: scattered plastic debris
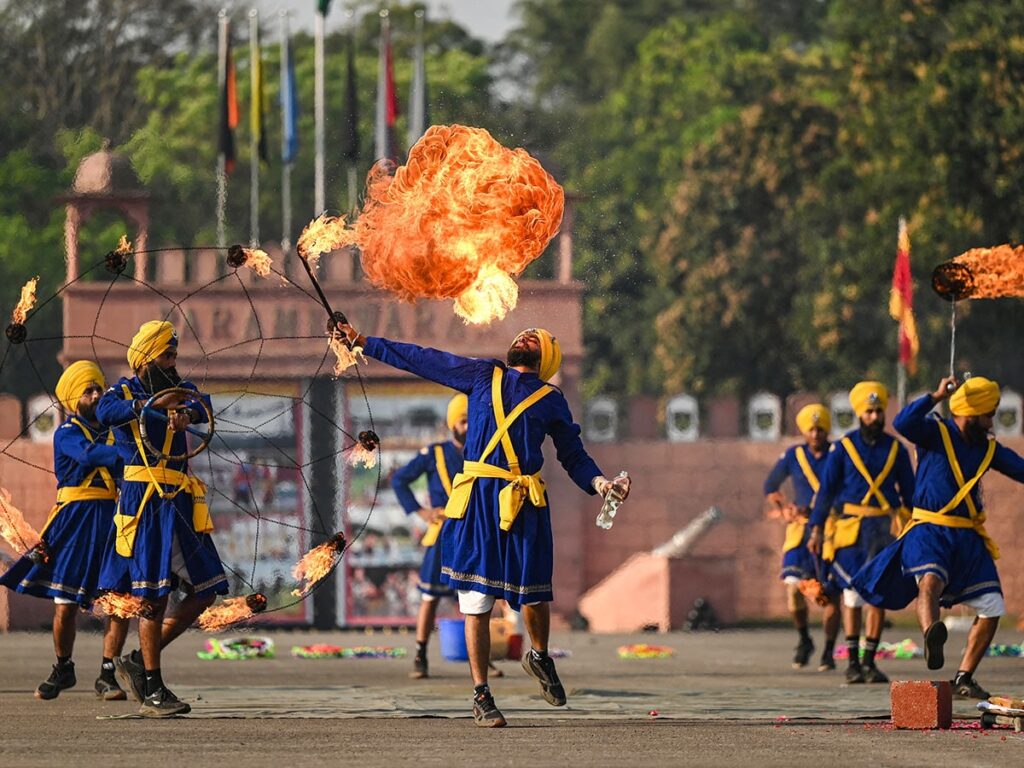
x=324, y=651
x=904, y=649
x=237, y=649
x=645, y=651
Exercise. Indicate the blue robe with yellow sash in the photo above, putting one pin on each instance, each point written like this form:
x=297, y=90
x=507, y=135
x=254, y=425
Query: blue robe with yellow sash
x=86, y=464
x=490, y=548
x=864, y=509
x=152, y=514
x=795, y=463
x=951, y=546
x=439, y=477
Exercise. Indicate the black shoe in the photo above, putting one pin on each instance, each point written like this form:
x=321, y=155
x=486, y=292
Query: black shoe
x=966, y=687
x=934, y=639
x=827, y=662
x=854, y=674
x=131, y=675
x=802, y=653
x=109, y=690
x=163, y=703
x=873, y=674
x=62, y=677
x=485, y=712
x=543, y=670
x=419, y=668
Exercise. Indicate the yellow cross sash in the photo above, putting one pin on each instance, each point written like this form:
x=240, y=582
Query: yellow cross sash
x=84, y=490
x=434, y=529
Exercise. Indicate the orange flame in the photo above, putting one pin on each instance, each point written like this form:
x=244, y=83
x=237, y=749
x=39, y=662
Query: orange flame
x=814, y=590
x=26, y=302
x=115, y=604
x=345, y=358
x=123, y=246
x=229, y=611
x=314, y=565
x=997, y=272
x=361, y=455
x=13, y=527
x=491, y=297
x=323, y=235
x=258, y=261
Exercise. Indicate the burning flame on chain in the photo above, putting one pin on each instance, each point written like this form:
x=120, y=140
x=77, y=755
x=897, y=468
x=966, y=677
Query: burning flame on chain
x=258, y=261
x=115, y=604
x=13, y=528
x=26, y=302
x=123, y=246
x=360, y=455
x=316, y=564
x=323, y=235
x=345, y=358
x=225, y=613
x=458, y=221
x=996, y=272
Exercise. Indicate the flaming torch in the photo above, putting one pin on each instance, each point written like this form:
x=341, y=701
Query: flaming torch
x=258, y=261
x=364, y=452
x=317, y=563
x=232, y=611
x=117, y=259
x=16, y=331
x=458, y=221
x=121, y=605
x=16, y=531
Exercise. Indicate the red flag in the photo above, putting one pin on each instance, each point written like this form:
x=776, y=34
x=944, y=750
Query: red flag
x=228, y=111
x=387, y=98
x=901, y=301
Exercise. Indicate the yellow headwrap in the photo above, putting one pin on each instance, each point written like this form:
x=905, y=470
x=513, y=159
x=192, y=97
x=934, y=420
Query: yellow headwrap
x=153, y=339
x=812, y=416
x=458, y=409
x=550, y=352
x=975, y=397
x=867, y=395
x=74, y=381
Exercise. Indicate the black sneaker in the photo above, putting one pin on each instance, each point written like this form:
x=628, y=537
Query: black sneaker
x=131, y=675
x=485, y=712
x=109, y=690
x=419, y=668
x=873, y=674
x=854, y=674
x=966, y=687
x=802, y=653
x=163, y=703
x=827, y=663
x=934, y=639
x=543, y=670
x=61, y=677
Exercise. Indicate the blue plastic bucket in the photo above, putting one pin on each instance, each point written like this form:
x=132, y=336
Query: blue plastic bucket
x=453, y=639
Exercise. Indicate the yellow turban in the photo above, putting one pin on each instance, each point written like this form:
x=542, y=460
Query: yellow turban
x=975, y=397
x=550, y=352
x=458, y=409
x=867, y=395
x=75, y=380
x=153, y=339
x=812, y=416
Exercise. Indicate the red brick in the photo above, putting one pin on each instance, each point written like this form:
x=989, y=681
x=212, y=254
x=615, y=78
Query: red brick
x=921, y=704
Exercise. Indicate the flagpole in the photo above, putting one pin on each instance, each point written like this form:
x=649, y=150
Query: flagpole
x=256, y=108
x=417, y=92
x=352, y=202
x=222, y=77
x=286, y=165
x=318, y=114
x=380, y=143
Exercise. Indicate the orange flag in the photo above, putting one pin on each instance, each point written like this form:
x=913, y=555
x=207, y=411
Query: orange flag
x=901, y=301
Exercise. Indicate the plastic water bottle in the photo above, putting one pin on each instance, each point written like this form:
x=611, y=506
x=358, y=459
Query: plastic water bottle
x=612, y=500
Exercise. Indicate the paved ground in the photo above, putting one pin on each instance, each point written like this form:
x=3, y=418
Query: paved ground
x=724, y=699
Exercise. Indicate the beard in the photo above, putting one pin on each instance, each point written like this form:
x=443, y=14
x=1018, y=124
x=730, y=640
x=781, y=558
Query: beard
x=88, y=412
x=523, y=356
x=459, y=436
x=156, y=379
x=974, y=433
x=871, y=432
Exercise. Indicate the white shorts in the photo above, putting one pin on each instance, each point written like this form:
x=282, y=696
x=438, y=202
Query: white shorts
x=424, y=597
x=988, y=606
x=791, y=581
x=64, y=601
x=474, y=603
x=852, y=599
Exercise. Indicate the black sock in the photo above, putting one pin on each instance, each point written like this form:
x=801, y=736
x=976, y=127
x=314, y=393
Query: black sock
x=853, y=649
x=962, y=676
x=480, y=690
x=154, y=681
x=421, y=649
x=539, y=654
x=107, y=669
x=805, y=636
x=136, y=656
x=870, y=646
x=830, y=646
x=63, y=661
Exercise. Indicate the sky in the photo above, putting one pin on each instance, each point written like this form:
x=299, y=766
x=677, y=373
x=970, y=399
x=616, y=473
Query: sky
x=486, y=19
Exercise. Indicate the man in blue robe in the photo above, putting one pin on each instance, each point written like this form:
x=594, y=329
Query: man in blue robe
x=162, y=542
x=440, y=462
x=945, y=556
x=65, y=567
x=803, y=465
x=497, y=541
x=867, y=479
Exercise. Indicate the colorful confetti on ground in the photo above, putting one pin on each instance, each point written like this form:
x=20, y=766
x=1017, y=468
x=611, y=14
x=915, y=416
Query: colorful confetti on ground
x=1015, y=650
x=645, y=651
x=237, y=649
x=324, y=651
x=905, y=649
